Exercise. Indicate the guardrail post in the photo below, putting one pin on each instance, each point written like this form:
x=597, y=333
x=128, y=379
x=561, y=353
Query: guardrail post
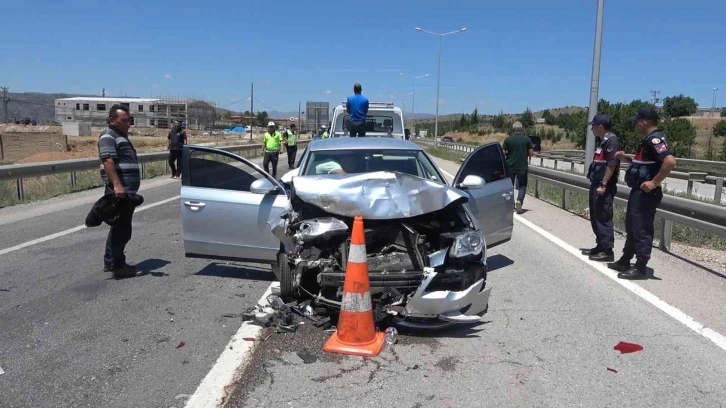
x=73, y=180
x=566, y=198
x=143, y=170
x=689, y=189
x=572, y=167
x=166, y=167
x=541, y=162
x=21, y=192
x=666, y=233
x=536, y=188
x=555, y=164
x=717, y=192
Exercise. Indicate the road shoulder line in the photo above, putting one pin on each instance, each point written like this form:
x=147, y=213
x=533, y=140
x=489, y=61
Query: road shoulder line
x=712, y=335
x=219, y=383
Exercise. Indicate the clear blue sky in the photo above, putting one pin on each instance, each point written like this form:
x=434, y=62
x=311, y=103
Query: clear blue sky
x=515, y=54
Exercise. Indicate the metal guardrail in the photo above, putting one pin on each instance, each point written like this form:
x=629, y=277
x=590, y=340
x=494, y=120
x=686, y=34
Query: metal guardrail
x=577, y=157
x=695, y=214
x=19, y=171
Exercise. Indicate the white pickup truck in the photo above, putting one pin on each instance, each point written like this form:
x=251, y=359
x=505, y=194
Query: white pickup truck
x=383, y=120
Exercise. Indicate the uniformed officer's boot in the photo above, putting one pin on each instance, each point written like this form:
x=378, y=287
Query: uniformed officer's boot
x=621, y=265
x=591, y=251
x=636, y=271
x=603, y=256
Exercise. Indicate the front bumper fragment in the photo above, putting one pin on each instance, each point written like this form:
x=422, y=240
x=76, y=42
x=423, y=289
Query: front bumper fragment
x=464, y=306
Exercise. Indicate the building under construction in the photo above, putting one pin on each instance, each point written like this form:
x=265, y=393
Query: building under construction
x=159, y=113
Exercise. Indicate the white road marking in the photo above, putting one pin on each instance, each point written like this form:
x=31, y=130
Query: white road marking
x=213, y=390
x=677, y=314
x=75, y=229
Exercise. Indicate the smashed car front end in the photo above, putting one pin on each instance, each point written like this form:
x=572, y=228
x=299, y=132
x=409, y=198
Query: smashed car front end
x=426, y=255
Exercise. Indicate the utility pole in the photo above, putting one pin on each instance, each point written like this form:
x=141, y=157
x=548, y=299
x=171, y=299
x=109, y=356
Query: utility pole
x=103, y=93
x=594, y=84
x=655, y=96
x=5, y=103
x=252, y=108
x=298, y=116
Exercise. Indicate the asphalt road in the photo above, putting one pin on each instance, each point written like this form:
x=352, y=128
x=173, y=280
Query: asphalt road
x=547, y=341
x=72, y=336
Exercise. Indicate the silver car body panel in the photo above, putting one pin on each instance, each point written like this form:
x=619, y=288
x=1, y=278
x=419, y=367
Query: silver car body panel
x=447, y=305
x=379, y=195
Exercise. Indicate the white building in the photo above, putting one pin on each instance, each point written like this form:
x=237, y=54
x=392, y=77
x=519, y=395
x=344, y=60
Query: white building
x=144, y=111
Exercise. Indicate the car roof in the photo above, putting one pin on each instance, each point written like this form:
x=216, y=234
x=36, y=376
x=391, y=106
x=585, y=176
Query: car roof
x=361, y=143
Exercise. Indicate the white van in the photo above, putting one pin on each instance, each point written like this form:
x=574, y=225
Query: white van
x=383, y=120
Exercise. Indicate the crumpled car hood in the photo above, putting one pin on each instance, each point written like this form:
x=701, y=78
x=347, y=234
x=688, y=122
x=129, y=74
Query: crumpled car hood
x=378, y=196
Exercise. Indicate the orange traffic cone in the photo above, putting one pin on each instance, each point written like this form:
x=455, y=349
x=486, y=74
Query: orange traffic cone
x=356, y=334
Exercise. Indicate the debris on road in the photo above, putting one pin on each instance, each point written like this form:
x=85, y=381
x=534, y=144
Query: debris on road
x=389, y=338
x=613, y=370
x=180, y=345
x=1, y=371
x=624, y=347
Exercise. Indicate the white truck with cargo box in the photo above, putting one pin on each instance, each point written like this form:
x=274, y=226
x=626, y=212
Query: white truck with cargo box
x=383, y=120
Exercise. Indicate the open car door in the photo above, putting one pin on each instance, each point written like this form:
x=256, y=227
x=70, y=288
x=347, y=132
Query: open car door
x=493, y=202
x=226, y=202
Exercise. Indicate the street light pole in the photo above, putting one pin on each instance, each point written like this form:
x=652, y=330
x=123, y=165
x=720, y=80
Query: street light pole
x=438, y=77
x=413, y=97
x=594, y=85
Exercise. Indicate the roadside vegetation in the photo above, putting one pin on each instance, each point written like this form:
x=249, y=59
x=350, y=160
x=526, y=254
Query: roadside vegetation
x=579, y=205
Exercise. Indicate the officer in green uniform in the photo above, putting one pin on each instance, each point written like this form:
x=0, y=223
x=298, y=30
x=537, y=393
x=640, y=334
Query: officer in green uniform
x=272, y=141
x=325, y=134
x=290, y=138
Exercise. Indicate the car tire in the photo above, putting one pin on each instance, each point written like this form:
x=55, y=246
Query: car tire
x=288, y=288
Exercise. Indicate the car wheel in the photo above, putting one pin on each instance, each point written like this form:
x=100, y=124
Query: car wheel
x=288, y=289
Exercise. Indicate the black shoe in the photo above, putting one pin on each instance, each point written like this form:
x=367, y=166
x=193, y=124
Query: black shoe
x=591, y=251
x=620, y=265
x=633, y=273
x=603, y=257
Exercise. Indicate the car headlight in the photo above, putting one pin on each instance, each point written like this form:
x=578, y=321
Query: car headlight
x=470, y=243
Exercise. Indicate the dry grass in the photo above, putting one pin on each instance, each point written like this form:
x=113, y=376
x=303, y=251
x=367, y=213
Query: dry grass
x=472, y=138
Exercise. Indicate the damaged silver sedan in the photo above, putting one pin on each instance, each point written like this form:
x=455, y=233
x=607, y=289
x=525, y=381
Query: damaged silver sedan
x=426, y=240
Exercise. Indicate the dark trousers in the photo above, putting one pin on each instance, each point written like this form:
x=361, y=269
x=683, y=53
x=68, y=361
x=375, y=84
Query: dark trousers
x=174, y=161
x=291, y=153
x=521, y=176
x=118, y=236
x=271, y=157
x=639, y=223
x=601, y=217
x=357, y=129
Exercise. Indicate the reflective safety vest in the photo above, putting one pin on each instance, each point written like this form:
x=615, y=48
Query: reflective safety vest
x=325, y=135
x=272, y=142
x=291, y=138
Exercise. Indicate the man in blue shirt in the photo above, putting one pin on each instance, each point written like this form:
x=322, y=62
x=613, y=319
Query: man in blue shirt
x=357, y=108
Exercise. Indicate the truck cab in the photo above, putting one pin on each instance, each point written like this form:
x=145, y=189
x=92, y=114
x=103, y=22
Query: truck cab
x=383, y=120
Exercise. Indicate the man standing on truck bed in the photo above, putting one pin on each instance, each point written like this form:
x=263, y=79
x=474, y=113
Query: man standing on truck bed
x=357, y=108
x=518, y=148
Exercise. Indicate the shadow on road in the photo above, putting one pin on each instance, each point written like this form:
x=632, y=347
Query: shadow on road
x=498, y=261
x=237, y=272
x=459, y=331
x=150, y=266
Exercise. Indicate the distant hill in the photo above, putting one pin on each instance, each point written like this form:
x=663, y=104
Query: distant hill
x=33, y=105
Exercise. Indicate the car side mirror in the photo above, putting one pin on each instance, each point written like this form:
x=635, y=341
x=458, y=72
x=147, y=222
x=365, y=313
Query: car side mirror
x=472, y=182
x=262, y=186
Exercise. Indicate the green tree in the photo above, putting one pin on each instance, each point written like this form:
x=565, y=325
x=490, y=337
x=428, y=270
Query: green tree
x=551, y=135
x=718, y=131
x=499, y=122
x=548, y=117
x=262, y=118
x=475, y=116
x=463, y=122
x=723, y=112
x=680, y=135
x=678, y=106
x=527, y=119
x=620, y=114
